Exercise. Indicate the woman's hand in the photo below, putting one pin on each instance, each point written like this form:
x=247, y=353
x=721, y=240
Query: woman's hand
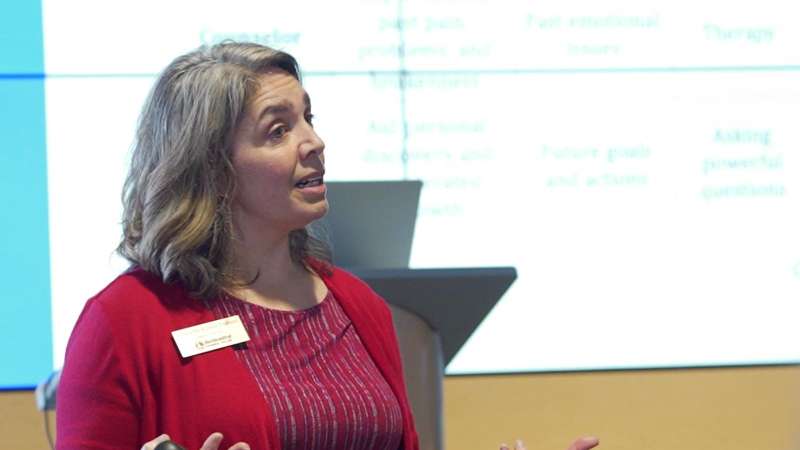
x=211, y=443
x=584, y=443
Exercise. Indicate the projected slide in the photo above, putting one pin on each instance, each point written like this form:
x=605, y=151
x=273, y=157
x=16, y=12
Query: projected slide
x=637, y=161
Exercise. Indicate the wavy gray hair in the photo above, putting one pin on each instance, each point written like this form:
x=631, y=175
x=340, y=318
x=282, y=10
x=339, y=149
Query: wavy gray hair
x=177, y=196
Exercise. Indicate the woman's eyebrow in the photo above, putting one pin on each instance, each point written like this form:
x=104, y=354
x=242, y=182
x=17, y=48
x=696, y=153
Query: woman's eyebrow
x=276, y=108
x=283, y=106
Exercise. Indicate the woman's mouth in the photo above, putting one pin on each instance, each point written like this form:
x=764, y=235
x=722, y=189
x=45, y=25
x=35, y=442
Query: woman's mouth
x=309, y=182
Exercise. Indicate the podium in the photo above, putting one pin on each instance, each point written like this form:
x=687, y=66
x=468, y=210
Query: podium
x=435, y=311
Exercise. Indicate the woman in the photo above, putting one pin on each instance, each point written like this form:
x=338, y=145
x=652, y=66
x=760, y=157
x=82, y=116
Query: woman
x=227, y=173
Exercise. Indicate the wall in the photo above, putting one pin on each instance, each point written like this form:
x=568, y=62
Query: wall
x=731, y=409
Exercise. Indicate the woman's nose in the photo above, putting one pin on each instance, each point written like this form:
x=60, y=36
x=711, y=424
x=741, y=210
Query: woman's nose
x=312, y=144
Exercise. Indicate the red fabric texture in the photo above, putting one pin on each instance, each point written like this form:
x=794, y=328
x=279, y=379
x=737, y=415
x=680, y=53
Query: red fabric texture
x=124, y=381
x=317, y=377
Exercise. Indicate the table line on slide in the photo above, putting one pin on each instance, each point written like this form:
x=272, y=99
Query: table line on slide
x=450, y=72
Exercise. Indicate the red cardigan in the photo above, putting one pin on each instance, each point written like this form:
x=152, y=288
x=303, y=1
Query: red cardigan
x=124, y=382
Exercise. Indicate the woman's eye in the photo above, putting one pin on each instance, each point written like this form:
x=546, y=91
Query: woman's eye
x=310, y=119
x=278, y=132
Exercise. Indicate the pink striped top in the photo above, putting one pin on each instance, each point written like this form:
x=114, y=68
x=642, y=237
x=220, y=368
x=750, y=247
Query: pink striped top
x=314, y=372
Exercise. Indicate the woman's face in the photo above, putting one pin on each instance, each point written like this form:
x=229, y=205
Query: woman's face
x=278, y=159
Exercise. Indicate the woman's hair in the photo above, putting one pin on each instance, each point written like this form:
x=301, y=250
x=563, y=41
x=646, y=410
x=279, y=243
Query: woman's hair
x=177, y=196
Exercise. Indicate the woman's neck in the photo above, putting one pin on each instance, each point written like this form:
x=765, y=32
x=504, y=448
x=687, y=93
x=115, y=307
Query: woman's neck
x=269, y=276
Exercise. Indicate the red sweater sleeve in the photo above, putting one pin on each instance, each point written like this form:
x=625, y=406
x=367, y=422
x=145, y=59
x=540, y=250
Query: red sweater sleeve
x=97, y=406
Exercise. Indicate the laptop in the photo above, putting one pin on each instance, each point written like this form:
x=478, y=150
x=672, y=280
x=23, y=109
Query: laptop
x=370, y=224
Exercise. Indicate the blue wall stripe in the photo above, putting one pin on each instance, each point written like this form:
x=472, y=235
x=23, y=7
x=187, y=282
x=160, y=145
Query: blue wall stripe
x=26, y=353
x=21, y=41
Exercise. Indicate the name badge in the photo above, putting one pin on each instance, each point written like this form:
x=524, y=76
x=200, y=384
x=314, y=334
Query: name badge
x=210, y=336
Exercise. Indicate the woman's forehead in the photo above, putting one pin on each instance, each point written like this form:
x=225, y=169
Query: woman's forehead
x=278, y=88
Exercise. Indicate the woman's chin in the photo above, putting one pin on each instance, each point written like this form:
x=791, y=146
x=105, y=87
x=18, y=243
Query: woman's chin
x=315, y=212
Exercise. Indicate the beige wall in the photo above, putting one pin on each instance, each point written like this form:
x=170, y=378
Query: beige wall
x=728, y=409
x=21, y=424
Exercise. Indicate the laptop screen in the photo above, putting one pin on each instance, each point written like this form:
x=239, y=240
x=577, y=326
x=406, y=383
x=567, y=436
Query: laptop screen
x=370, y=224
